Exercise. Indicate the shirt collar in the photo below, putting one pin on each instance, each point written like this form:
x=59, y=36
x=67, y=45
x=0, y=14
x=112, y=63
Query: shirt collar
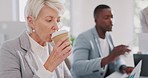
x=37, y=48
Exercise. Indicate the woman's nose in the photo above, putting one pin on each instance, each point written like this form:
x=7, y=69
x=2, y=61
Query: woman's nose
x=56, y=26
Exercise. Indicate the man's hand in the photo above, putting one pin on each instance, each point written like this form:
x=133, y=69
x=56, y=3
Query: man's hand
x=119, y=50
x=126, y=69
x=116, y=52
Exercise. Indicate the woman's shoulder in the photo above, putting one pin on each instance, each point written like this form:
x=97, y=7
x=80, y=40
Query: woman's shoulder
x=14, y=42
x=10, y=44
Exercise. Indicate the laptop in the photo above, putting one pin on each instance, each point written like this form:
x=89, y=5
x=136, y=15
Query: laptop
x=144, y=67
x=136, y=71
x=134, y=74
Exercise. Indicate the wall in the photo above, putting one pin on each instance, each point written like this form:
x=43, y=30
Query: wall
x=6, y=10
x=10, y=26
x=11, y=29
x=82, y=18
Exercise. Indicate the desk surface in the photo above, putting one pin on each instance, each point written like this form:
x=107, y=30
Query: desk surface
x=143, y=77
x=119, y=75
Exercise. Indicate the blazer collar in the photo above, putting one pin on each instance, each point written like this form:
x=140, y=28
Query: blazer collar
x=96, y=37
x=25, y=45
x=24, y=42
x=29, y=56
x=97, y=42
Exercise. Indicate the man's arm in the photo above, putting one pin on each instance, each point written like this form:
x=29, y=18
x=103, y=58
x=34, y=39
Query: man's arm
x=82, y=64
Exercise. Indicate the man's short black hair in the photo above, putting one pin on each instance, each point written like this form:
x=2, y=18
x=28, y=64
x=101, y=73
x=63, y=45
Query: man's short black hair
x=99, y=8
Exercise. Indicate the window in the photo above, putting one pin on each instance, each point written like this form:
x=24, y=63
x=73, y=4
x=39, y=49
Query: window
x=21, y=10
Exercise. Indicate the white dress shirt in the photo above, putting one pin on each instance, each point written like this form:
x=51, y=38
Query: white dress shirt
x=104, y=47
x=105, y=51
x=41, y=54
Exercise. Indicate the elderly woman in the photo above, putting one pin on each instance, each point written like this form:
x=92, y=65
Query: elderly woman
x=31, y=55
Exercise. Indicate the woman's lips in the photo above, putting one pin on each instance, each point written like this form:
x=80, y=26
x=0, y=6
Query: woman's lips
x=50, y=35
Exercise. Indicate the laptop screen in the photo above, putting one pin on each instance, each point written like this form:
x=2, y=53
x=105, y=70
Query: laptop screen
x=144, y=58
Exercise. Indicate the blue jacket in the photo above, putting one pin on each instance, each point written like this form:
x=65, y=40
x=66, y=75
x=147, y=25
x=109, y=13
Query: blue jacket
x=87, y=56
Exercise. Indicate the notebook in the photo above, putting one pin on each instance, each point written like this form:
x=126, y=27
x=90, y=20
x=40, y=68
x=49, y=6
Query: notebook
x=134, y=74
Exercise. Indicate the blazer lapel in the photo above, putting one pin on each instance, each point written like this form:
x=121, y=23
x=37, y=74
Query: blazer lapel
x=29, y=56
x=96, y=37
x=109, y=41
x=25, y=44
x=111, y=66
x=31, y=61
x=108, y=38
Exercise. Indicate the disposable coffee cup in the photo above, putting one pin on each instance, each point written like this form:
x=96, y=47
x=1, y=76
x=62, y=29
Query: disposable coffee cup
x=56, y=36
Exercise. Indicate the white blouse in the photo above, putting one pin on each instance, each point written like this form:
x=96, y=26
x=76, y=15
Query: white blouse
x=41, y=54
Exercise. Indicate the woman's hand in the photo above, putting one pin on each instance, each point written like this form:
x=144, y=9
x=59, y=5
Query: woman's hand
x=60, y=52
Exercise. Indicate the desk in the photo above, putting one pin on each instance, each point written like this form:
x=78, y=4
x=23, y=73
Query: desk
x=119, y=75
x=143, y=77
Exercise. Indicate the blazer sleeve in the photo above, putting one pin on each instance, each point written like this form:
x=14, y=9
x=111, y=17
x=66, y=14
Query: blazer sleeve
x=81, y=64
x=9, y=64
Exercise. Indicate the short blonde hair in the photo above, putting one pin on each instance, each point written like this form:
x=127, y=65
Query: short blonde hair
x=33, y=7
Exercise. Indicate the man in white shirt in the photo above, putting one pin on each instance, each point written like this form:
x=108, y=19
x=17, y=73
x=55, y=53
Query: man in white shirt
x=94, y=55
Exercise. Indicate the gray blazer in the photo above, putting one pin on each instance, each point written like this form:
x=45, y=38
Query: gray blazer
x=15, y=63
x=87, y=56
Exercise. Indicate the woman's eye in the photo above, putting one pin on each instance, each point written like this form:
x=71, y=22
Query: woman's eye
x=49, y=20
x=58, y=20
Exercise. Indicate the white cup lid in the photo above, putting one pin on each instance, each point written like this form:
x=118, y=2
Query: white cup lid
x=58, y=32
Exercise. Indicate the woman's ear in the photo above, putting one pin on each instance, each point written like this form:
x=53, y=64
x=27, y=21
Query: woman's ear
x=30, y=21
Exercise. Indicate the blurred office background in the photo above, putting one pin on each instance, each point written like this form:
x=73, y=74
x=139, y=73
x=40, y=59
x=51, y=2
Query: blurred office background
x=78, y=18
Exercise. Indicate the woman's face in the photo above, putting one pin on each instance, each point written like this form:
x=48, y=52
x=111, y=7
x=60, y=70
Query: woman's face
x=45, y=24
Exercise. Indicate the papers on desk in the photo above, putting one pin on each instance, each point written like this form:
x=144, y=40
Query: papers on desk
x=117, y=75
x=134, y=74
